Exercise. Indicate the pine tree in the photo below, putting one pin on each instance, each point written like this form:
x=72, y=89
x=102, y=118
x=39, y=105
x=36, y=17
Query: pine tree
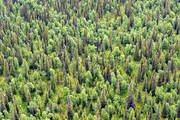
x=26, y=70
x=148, y=88
x=153, y=85
x=98, y=115
x=172, y=65
x=78, y=90
x=40, y=88
x=147, y=117
x=86, y=64
x=126, y=116
x=128, y=9
x=131, y=20
x=24, y=12
x=13, y=117
x=9, y=94
x=85, y=38
x=120, y=87
x=103, y=98
x=139, y=95
x=158, y=113
x=159, y=82
x=6, y=102
x=110, y=43
x=47, y=68
x=130, y=98
x=92, y=70
x=136, y=54
x=165, y=111
x=65, y=79
x=139, y=75
x=121, y=19
x=108, y=77
x=157, y=20
x=70, y=112
x=150, y=114
x=178, y=111
x=16, y=107
x=6, y=70
x=23, y=92
x=127, y=68
x=103, y=64
x=2, y=106
x=168, y=76
x=163, y=77
x=145, y=84
x=174, y=78
x=145, y=97
x=58, y=78
x=139, y=115
x=98, y=46
x=132, y=115
x=176, y=23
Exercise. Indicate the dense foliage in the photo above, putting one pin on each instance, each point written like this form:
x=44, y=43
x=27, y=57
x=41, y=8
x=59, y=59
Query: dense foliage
x=89, y=59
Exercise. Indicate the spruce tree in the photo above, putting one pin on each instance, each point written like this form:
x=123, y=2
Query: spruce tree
x=130, y=98
x=139, y=95
x=158, y=113
x=178, y=111
x=70, y=112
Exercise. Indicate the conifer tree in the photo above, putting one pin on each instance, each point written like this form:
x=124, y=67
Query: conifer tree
x=176, y=23
x=145, y=97
x=108, y=77
x=130, y=98
x=174, y=78
x=136, y=54
x=70, y=112
x=23, y=92
x=150, y=114
x=120, y=87
x=139, y=95
x=139, y=116
x=144, y=84
x=178, y=111
x=153, y=85
x=126, y=116
x=158, y=113
x=165, y=111
x=103, y=98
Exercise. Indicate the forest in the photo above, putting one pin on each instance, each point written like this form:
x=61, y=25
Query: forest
x=89, y=59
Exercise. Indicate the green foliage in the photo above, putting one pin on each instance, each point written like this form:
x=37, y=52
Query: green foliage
x=76, y=59
x=159, y=94
x=75, y=117
x=89, y=78
x=165, y=44
x=111, y=110
x=104, y=114
x=36, y=75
